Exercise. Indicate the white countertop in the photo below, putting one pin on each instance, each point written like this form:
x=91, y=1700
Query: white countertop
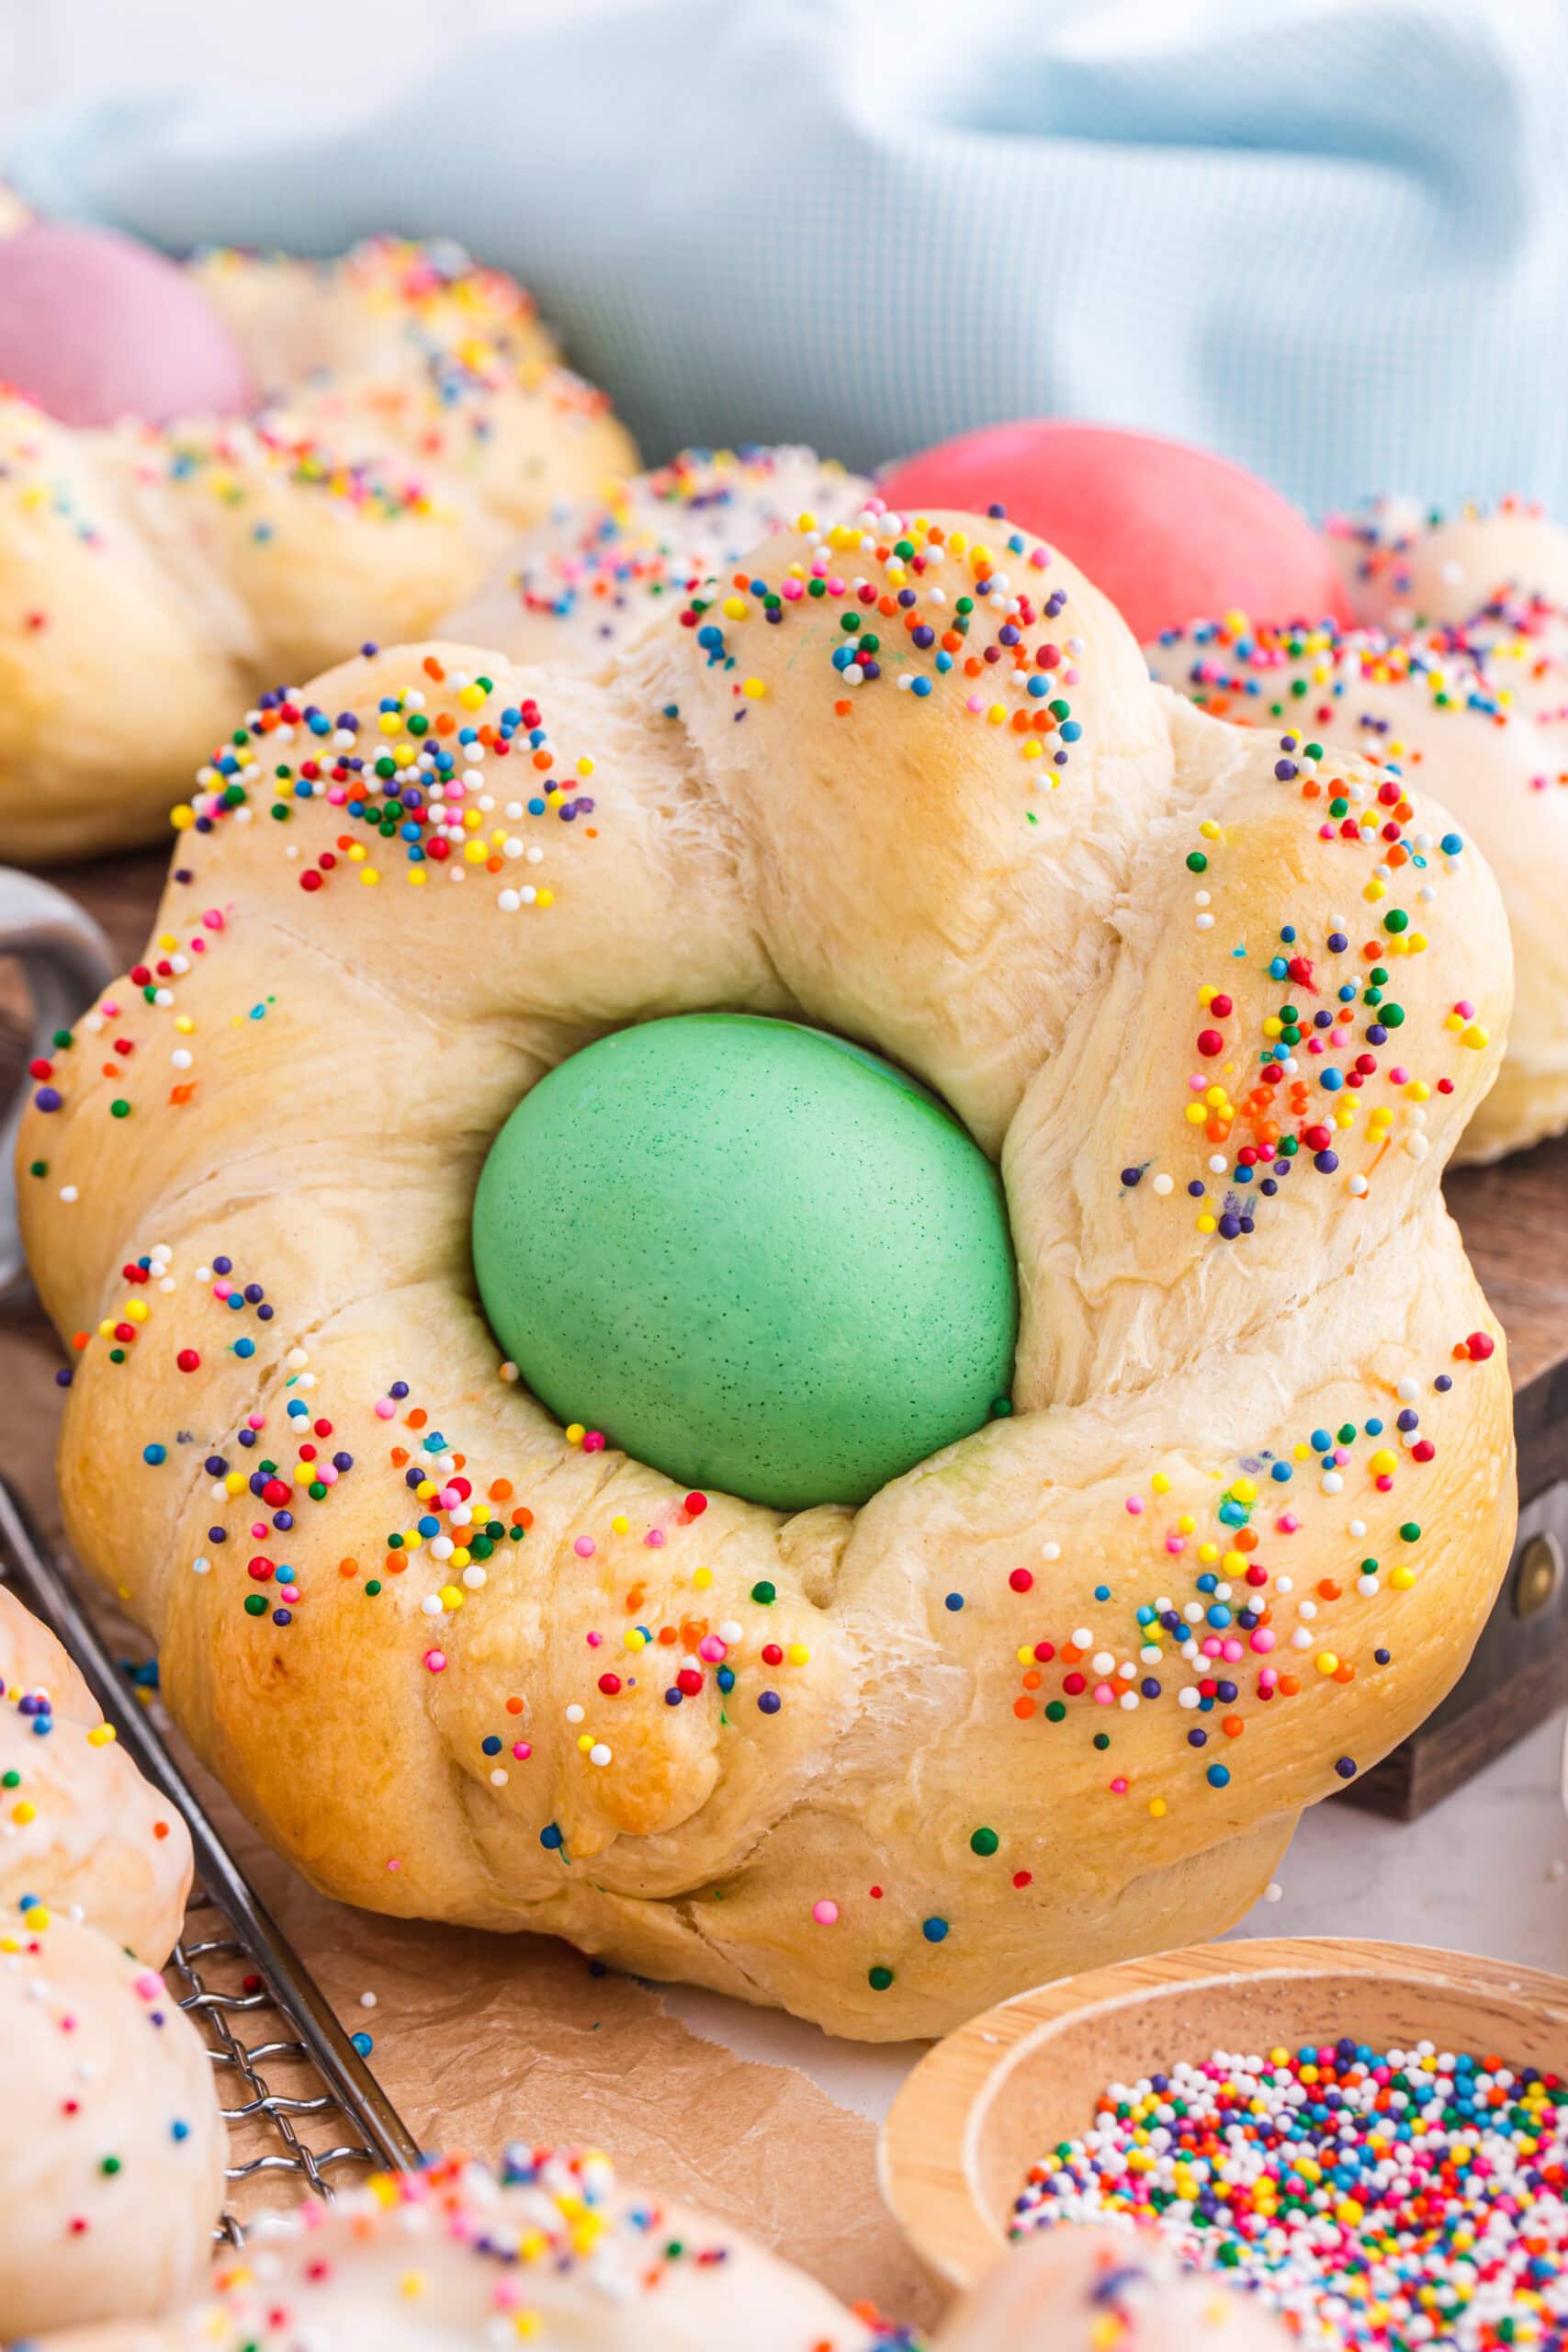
x=1486, y=1871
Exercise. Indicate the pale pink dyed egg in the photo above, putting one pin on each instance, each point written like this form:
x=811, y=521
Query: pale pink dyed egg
x=1171, y=534
x=94, y=327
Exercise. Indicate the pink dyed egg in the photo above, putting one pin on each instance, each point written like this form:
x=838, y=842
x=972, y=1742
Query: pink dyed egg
x=1171, y=534
x=94, y=327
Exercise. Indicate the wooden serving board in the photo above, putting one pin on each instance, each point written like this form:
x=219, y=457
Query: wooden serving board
x=982, y=2106
x=1515, y=1221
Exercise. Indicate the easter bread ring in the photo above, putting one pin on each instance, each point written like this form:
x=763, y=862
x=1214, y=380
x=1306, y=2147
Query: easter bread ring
x=1455, y=678
x=1059, y=1693
x=411, y=415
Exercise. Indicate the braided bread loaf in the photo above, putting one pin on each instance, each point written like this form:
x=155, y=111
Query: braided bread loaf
x=153, y=578
x=1057, y=1694
x=1456, y=680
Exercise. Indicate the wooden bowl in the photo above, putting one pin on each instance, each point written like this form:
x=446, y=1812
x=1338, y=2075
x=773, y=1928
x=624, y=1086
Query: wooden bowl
x=984, y=2105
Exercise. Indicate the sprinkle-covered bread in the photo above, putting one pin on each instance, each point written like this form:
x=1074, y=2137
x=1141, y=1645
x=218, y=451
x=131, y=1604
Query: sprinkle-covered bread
x=159, y=572
x=111, y=2145
x=595, y=571
x=1457, y=682
x=1217, y=1004
x=549, y=2250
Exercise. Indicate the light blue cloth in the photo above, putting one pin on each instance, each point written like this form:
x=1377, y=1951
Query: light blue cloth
x=1327, y=237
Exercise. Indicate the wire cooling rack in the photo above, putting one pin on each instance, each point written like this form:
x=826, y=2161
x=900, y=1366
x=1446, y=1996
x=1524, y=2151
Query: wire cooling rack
x=299, y=2102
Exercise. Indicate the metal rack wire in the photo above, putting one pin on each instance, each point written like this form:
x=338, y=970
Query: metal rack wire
x=299, y=2102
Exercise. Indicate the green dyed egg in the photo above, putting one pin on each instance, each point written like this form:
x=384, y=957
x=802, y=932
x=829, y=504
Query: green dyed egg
x=757, y=1258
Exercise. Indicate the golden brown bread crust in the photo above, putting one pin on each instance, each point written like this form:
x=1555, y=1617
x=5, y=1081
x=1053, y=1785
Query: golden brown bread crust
x=1207, y=1428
